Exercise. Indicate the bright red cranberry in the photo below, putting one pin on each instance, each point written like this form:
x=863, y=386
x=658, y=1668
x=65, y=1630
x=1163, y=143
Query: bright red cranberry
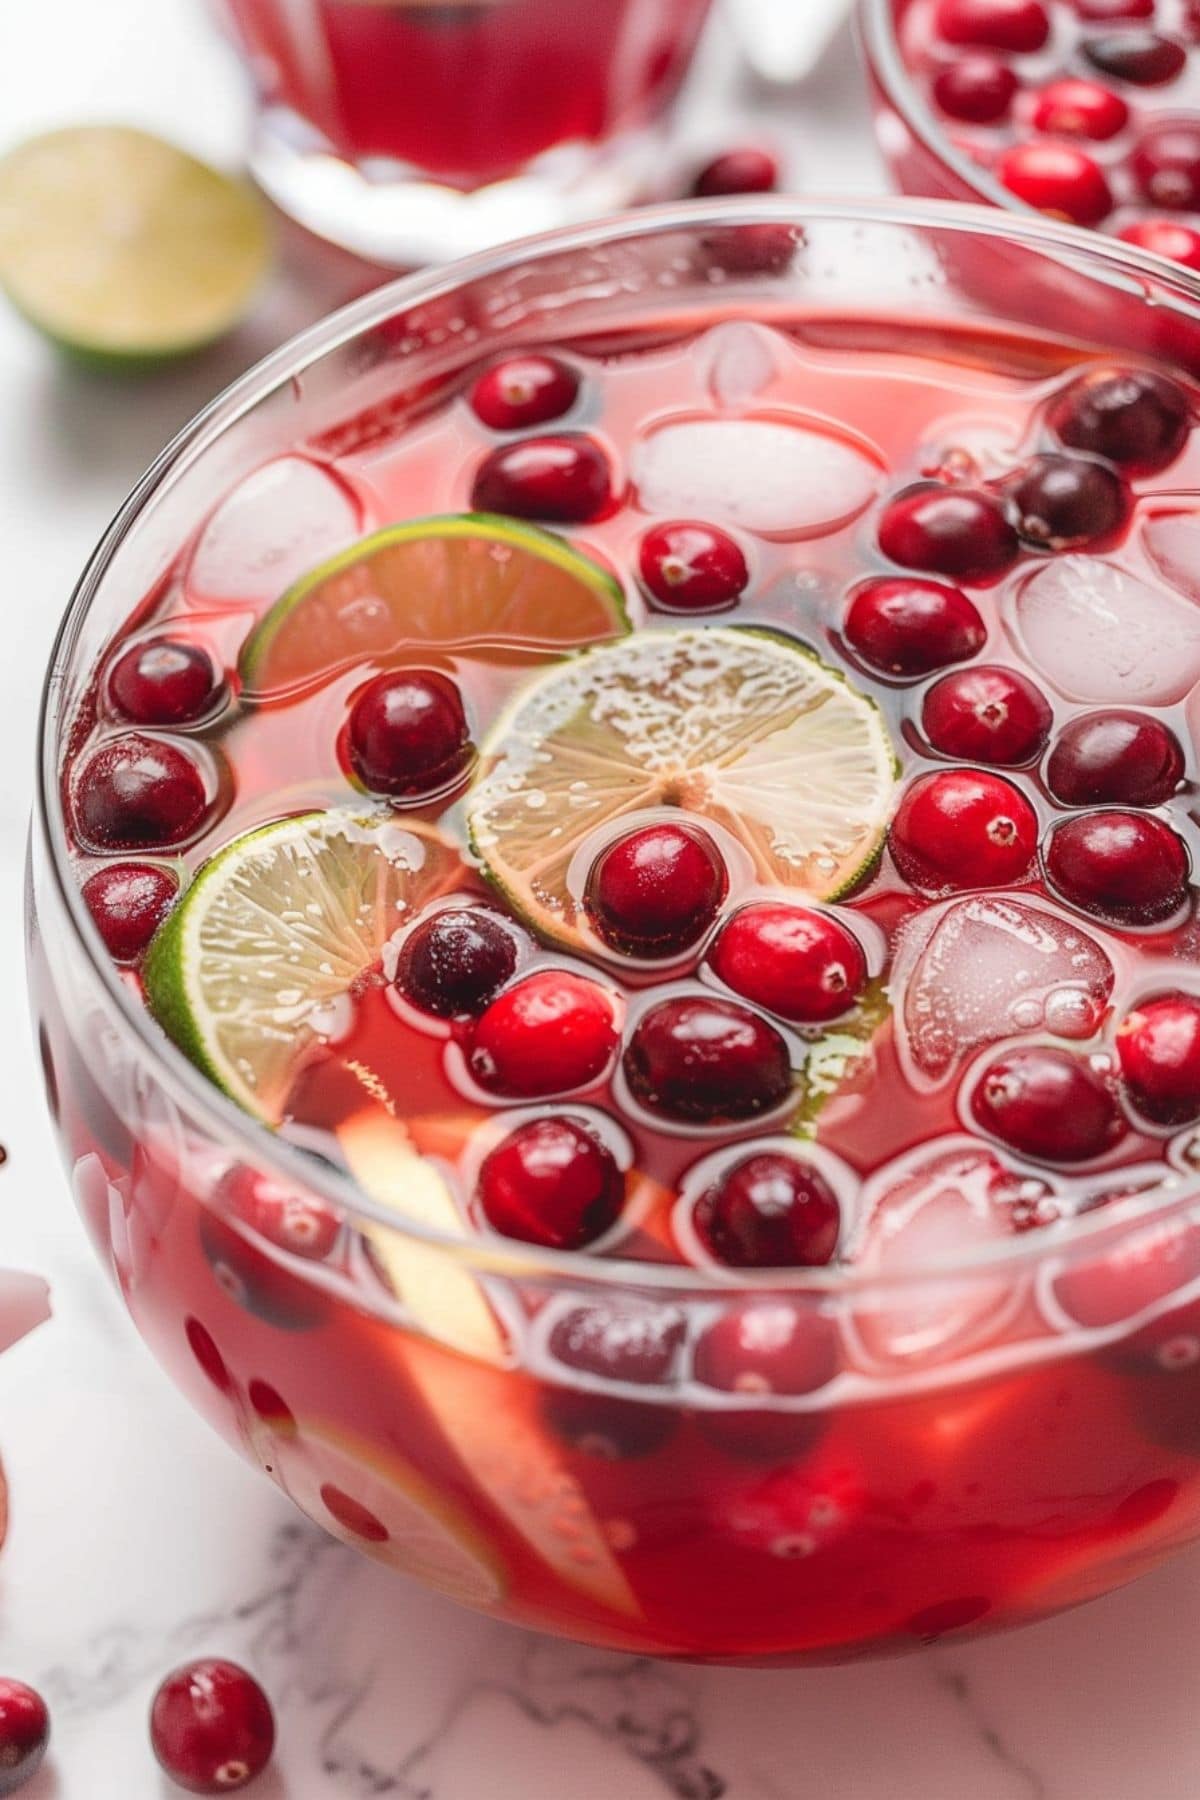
x=1065, y=503
x=24, y=1733
x=804, y=965
x=656, y=891
x=164, y=682
x=623, y=1341
x=550, y=1033
x=979, y=90
x=770, y=1211
x=288, y=1217
x=453, y=964
x=137, y=792
x=128, y=902
x=1133, y=417
x=551, y=1182
x=905, y=627
x=524, y=391
x=963, y=828
x=1166, y=164
x=765, y=1348
x=1158, y=1045
x=246, y=1273
x=212, y=1727
x=695, y=1057
x=691, y=567
x=408, y=734
x=746, y=170
x=1017, y=25
x=1125, y=866
x=566, y=480
x=987, y=715
x=1057, y=179
x=1114, y=758
x=1101, y=11
x=953, y=531
x=1143, y=58
x=1164, y=237
x=1072, y=108
x=1049, y=1104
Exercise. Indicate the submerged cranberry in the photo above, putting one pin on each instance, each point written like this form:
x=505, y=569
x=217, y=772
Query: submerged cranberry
x=1057, y=178
x=1132, y=417
x=757, y=249
x=523, y=391
x=978, y=90
x=566, y=480
x=1066, y=503
x=770, y=1211
x=954, y=531
x=24, y=1733
x=987, y=715
x=455, y=962
x=802, y=964
x=607, y=1426
x=164, y=682
x=691, y=567
x=408, y=733
x=136, y=792
x=907, y=627
x=1144, y=58
x=128, y=902
x=290, y=1218
x=1115, y=758
x=1072, y=108
x=1164, y=237
x=551, y=1182
x=1125, y=866
x=550, y=1033
x=1166, y=164
x=656, y=891
x=1049, y=1104
x=622, y=1341
x=765, y=1349
x=963, y=829
x=692, y=1057
x=1016, y=25
x=1158, y=1045
x=745, y=170
x=212, y=1727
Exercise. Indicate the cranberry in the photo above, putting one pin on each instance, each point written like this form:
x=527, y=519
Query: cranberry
x=566, y=480
x=1166, y=164
x=136, y=792
x=1125, y=866
x=762, y=249
x=523, y=391
x=212, y=1727
x=906, y=627
x=987, y=715
x=456, y=962
x=1016, y=25
x=746, y=170
x=963, y=829
x=1101, y=11
x=770, y=1211
x=1064, y=503
x=696, y=1057
x=287, y=1217
x=1144, y=58
x=252, y=1278
x=979, y=90
x=628, y=1342
x=1072, y=108
x=408, y=733
x=1132, y=417
x=128, y=902
x=954, y=531
x=765, y=1348
x=24, y=1733
x=656, y=891
x=551, y=1182
x=1114, y=758
x=164, y=682
x=1164, y=237
x=353, y=1517
x=606, y=1425
x=1057, y=179
x=1047, y=1103
x=797, y=1512
x=1159, y=1049
x=551, y=1032
x=804, y=965
x=691, y=567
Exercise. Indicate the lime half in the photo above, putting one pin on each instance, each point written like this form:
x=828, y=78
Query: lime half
x=123, y=249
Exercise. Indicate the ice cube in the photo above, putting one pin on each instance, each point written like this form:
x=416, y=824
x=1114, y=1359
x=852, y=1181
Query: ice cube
x=1172, y=542
x=275, y=526
x=1098, y=633
x=987, y=967
x=740, y=361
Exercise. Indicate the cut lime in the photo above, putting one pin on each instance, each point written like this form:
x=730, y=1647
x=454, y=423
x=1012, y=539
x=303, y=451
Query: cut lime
x=466, y=580
x=124, y=249
x=740, y=728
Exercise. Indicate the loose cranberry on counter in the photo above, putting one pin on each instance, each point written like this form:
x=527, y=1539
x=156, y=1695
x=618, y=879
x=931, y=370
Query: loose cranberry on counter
x=1164, y=237
x=1133, y=417
x=765, y=1348
x=1072, y=108
x=24, y=1733
x=212, y=1727
x=691, y=567
x=1115, y=758
x=744, y=170
x=128, y=902
x=551, y=1182
x=963, y=829
x=702, y=1059
x=566, y=480
x=1143, y=58
x=1049, y=1104
x=1166, y=164
x=954, y=531
x=802, y=964
x=453, y=964
x=1057, y=179
x=523, y=391
x=408, y=733
x=1124, y=866
x=550, y=1033
x=135, y=793
x=770, y=1211
x=906, y=627
x=1020, y=26
x=979, y=90
x=1158, y=1045
x=987, y=715
x=164, y=682
x=1066, y=503
x=656, y=891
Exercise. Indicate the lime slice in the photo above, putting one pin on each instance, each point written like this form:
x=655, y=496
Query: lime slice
x=123, y=249
x=467, y=580
x=740, y=728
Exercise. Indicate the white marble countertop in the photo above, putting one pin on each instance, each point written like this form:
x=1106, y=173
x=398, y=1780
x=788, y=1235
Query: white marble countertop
x=138, y=1539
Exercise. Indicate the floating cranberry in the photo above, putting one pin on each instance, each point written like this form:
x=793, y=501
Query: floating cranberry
x=523, y=391
x=1072, y=108
x=987, y=715
x=287, y=1217
x=408, y=733
x=1114, y=758
x=745, y=170
x=164, y=682
x=1065, y=503
x=1143, y=58
x=963, y=828
x=622, y=1341
x=954, y=531
x=550, y=1033
x=691, y=567
x=1158, y=1045
x=128, y=902
x=704, y=1059
x=212, y=1727
x=1132, y=417
x=566, y=480
x=137, y=792
x=767, y=1349
x=656, y=891
x=1057, y=179
x=1017, y=25
x=978, y=90
x=1124, y=866
x=1166, y=164
x=758, y=249
x=802, y=964
x=906, y=627
x=24, y=1733
x=1164, y=237
x=453, y=964
x=551, y=1182
x=1049, y=1104
x=770, y=1211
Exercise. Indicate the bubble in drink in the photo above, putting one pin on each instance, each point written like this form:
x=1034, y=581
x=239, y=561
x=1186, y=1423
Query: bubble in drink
x=270, y=530
x=1100, y=634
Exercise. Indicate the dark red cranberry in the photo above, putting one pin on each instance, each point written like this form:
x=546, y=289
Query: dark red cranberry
x=804, y=965
x=137, y=792
x=1058, y=179
x=607, y=1426
x=24, y=1733
x=288, y=1217
x=203, y=1347
x=756, y=249
x=1114, y=758
x=254, y=1280
x=1132, y=417
x=1065, y=503
x=770, y=1211
x=1164, y=237
x=1101, y=11
x=745, y=170
x=979, y=90
x=357, y=1520
x=1125, y=866
x=656, y=891
x=523, y=391
x=1158, y=1045
x=273, y=1410
x=1166, y=164
x=456, y=962
x=765, y=1349
x=551, y=1182
x=700, y=1058
x=566, y=480
x=212, y=1727
x=164, y=682
x=1017, y=25
x=1049, y=1104
x=550, y=1033
x=624, y=1341
x=408, y=734
x=1072, y=108
x=963, y=828
x=691, y=567
x=987, y=715
x=128, y=902
x=906, y=627
x=954, y=531
x=1144, y=58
